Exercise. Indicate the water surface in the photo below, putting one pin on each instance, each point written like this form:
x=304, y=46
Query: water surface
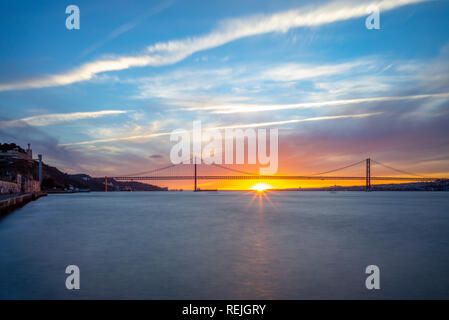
x=227, y=245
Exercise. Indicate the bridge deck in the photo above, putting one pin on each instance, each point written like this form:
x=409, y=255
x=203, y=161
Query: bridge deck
x=268, y=177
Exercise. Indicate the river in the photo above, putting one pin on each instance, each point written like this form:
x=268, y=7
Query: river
x=227, y=245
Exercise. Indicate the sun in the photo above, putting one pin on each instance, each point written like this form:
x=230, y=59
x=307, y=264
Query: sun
x=260, y=187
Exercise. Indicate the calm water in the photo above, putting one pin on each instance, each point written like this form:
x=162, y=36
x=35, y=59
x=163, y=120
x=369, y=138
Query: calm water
x=228, y=245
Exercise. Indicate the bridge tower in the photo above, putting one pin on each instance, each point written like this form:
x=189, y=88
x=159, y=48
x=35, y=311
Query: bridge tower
x=105, y=184
x=194, y=187
x=368, y=174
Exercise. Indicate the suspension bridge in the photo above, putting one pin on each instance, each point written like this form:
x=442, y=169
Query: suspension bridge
x=168, y=173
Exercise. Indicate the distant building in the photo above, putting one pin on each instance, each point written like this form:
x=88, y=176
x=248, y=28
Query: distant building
x=17, y=153
x=16, y=175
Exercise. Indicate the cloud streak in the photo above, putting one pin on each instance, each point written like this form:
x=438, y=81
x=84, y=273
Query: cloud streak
x=48, y=119
x=237, y=126
x=295, y=72
x=170, y=52
x=240, y=108
x=128, y=26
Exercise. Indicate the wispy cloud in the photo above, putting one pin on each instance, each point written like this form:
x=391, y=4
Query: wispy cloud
x=295, y=71
x=165, y=53
x=278, y=123
x=128, y=26
x=236, y=126
x=239, y=108
x=179, y=86
x=48, y=119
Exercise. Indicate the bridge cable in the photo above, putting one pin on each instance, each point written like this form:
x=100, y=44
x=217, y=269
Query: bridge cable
x=338, y=169
x=158, y=169
x=150, y=171
x=235, y=170
x=397, y=170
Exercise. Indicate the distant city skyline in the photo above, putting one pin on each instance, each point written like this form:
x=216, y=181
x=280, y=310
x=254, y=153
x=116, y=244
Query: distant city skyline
x=103, y=99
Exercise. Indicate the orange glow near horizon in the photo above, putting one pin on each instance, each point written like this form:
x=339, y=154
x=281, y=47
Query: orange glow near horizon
x=241, y=185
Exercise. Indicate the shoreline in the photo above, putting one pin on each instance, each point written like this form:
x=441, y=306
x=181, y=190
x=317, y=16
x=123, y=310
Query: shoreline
x=10, y=204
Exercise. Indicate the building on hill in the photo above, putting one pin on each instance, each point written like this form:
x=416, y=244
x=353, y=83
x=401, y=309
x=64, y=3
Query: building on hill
x=12, y=151
x=17, y=170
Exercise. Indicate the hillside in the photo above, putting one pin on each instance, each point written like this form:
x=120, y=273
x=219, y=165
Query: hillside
x=54, y=179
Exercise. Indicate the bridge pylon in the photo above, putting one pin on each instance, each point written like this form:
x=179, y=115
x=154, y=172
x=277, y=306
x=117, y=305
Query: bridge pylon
x=368, y=175
x=194, y=186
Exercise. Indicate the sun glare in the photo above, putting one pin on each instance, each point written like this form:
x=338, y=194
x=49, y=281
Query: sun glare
x=260, y=187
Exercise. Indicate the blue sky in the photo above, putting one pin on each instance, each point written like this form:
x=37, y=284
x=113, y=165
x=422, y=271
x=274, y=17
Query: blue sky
x=91, y=99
